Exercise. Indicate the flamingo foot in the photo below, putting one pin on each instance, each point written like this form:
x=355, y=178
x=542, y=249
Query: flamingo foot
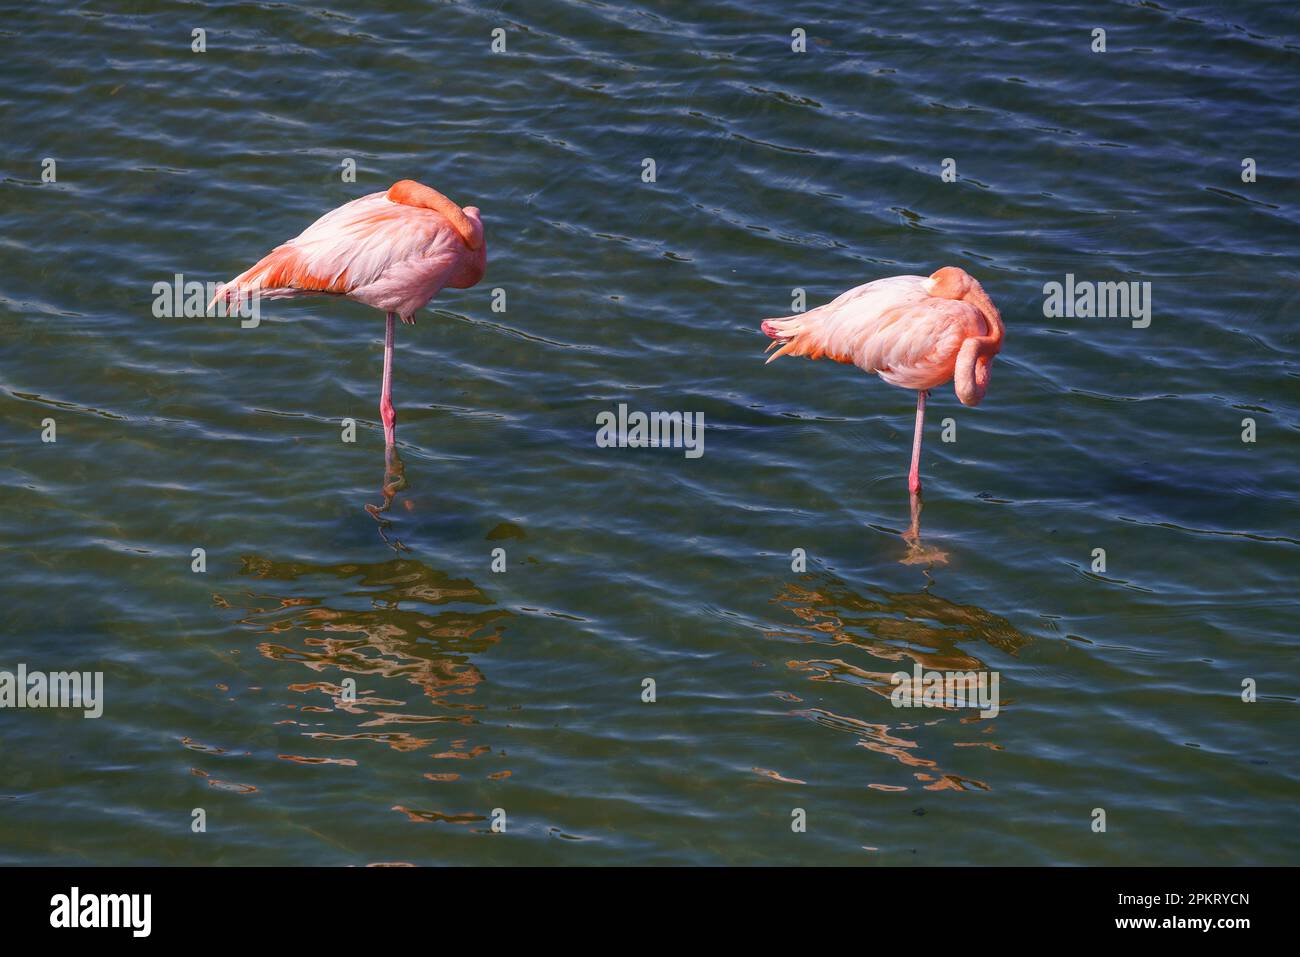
x=394, y=482
x=917, y=553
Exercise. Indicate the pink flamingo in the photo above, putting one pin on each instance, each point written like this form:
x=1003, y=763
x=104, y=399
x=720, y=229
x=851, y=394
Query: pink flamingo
x=911, y=331
x=393, y=250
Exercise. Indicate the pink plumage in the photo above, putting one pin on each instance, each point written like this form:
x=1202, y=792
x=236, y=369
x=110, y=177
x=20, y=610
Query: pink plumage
x=393, y=250
x=912, y=331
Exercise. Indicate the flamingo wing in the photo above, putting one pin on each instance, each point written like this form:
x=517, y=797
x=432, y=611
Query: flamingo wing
x=915, y=346
x=837, y=328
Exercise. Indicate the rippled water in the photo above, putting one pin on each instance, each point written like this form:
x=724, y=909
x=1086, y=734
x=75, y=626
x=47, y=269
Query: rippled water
x=479, y=690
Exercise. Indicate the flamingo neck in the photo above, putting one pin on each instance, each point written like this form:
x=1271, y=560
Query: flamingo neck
x=991, y=343
x=978, y=298
x=971, y=375
x=410, y=193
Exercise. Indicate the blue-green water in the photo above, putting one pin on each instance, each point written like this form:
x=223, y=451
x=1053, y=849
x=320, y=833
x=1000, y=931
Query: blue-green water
x=485, y=696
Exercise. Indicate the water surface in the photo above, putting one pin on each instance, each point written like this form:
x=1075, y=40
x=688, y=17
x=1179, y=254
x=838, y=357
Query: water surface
x=521, y=690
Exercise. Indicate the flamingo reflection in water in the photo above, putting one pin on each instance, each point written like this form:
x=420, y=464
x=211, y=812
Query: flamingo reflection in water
x=420, y=628
x=856, y=634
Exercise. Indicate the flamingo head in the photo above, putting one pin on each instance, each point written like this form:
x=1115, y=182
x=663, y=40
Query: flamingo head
x=950, y=282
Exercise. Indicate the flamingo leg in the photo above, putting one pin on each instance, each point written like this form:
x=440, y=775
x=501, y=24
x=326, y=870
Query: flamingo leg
x=386, y=399
x=914, y=476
